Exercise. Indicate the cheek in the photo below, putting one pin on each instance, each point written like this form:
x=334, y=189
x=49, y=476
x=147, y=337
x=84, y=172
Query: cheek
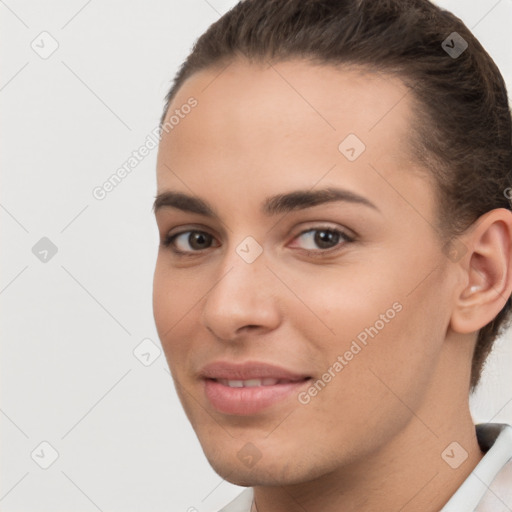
x=163, y=303
x=174, y=295
x=171, y=306
x=374, y=320
x=344, y=305
x=386, y=350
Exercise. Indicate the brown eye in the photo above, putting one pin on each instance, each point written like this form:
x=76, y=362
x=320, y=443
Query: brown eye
x=199, y=240
x=322, y=238
x=189, y=241
x=326, y=239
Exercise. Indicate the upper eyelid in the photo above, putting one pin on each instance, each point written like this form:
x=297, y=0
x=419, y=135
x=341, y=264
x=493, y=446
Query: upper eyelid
x=168, y=239
x=343, y=230
x=348, y=232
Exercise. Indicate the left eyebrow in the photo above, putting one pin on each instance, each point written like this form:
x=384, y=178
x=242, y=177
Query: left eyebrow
x=274, y=205
x=301, y=199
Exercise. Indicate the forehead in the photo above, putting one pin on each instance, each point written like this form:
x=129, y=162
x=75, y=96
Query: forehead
x=269, y=125
x=318, y=85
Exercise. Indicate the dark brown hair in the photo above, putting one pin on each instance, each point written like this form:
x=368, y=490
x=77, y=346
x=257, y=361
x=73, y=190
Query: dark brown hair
x=462, y=125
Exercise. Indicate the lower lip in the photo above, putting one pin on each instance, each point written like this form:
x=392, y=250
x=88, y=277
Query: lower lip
x=246, y=401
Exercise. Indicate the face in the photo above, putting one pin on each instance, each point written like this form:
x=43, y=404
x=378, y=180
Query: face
x=303, y=278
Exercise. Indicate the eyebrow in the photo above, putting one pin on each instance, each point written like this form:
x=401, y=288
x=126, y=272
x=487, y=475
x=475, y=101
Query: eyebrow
x=274, y=205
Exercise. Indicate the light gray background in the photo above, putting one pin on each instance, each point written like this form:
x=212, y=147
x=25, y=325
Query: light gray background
x=70, y=325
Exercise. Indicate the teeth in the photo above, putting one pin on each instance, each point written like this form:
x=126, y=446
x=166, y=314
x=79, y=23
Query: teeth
x=236, y=383
x=250, y=383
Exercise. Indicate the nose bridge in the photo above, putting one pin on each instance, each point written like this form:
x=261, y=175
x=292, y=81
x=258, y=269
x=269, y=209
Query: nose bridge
x=242, y=294
x=243, y=271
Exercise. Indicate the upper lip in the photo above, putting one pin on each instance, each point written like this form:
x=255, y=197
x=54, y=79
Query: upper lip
x=248, y=370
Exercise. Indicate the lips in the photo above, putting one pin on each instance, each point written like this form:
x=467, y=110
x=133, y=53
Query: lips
x=249, y=370
x=249, y=388
x=251, y=383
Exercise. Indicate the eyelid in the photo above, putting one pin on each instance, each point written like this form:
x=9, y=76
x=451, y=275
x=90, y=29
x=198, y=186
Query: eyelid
x=327, y=226
x=345, y=238
x=185, y=228
x=170, y=237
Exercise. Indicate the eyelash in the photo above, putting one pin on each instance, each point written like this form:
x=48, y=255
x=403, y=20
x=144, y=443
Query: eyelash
x=168, y=241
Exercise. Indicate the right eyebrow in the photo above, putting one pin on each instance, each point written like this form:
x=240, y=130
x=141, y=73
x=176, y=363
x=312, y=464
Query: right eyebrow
x=183, y=202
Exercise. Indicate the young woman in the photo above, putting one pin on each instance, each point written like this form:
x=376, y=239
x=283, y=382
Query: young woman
x=335, y=260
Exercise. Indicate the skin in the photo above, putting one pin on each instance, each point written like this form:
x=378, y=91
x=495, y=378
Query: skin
x=372, y=439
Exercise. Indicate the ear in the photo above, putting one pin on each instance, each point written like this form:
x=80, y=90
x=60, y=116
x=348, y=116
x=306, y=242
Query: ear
x=487, y=271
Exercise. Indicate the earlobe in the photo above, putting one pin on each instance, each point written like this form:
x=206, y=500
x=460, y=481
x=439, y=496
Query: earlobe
x=488, y=272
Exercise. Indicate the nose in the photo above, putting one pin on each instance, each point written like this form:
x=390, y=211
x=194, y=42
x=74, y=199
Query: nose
x=243, y=299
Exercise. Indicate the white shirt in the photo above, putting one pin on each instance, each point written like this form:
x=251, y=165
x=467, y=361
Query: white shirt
x=487, y=489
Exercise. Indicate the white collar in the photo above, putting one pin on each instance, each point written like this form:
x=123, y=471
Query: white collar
x=489, y=485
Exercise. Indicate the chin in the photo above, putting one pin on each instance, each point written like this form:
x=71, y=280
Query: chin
x=266, y=471
x=246, y=477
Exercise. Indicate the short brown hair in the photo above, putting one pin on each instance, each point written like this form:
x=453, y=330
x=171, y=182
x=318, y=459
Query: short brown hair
x=462, y=128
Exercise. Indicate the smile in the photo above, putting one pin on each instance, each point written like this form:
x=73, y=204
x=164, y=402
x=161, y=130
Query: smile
x=250, y=397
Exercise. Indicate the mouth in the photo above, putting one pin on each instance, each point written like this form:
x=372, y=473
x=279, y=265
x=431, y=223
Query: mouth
x=249, y=388
x=254, y=383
